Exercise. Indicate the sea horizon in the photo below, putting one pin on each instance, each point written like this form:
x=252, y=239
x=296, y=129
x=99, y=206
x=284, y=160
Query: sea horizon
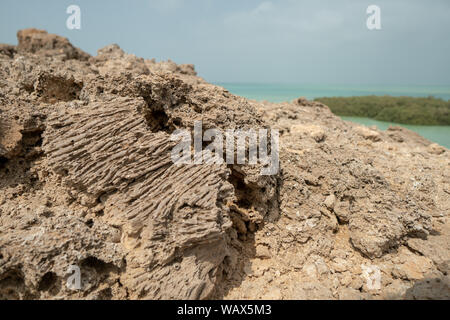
x=282, y=92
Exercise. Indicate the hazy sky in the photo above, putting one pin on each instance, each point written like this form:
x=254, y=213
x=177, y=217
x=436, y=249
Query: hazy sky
x=287, y=41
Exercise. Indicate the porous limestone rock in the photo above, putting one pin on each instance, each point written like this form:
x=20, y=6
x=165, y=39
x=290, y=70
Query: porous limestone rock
x=86, y=180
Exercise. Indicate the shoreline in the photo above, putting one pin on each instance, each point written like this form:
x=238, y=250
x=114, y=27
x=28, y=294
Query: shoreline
x=427, y=111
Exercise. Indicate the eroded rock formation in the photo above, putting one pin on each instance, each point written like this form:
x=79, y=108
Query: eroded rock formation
x=86, y=179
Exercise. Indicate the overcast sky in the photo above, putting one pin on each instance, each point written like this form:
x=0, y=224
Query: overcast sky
x=278, y=41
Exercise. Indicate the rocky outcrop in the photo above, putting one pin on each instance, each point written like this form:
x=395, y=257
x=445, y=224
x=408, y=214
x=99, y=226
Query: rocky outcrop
x=42, y=43
x=86, y=180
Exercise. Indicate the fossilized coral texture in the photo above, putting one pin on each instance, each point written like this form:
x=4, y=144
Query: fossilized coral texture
x=87, y=180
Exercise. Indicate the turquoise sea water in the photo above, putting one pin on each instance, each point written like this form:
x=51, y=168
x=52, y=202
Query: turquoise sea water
x=288, y=92
x=438, y=134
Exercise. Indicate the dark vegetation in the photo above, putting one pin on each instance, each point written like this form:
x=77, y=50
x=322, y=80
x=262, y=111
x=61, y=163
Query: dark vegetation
x=406, y=110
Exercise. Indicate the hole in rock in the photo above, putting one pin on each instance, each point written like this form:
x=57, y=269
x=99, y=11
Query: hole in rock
x=98, y=265
x=11, y=285
x=32, y=139
x=158, y=120
x=47, y=282
x=105, y=294
x=248, y=208
x=52, y=89
x=90, y=223
x=3, y=162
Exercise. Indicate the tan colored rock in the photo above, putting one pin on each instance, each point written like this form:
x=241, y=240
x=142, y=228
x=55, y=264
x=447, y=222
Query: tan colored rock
x=263, y=252
x=314, y=131
x=436, y=248
x=368, y=134
x=310, y=291
x=10, y=138
x=86, y=180
x=434, y=148
x=350, y=294
x=41, y=42
x=330, y=201
x=430, y=289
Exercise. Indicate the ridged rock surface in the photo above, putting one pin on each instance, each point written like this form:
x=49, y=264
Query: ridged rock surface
x=86, y=179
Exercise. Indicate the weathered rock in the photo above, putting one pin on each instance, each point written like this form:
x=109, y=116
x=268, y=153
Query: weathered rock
x=430, y=289
x=86, y=180
x=330, y=201
x=43, y=43
x=434, y=148
x=368, y=134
